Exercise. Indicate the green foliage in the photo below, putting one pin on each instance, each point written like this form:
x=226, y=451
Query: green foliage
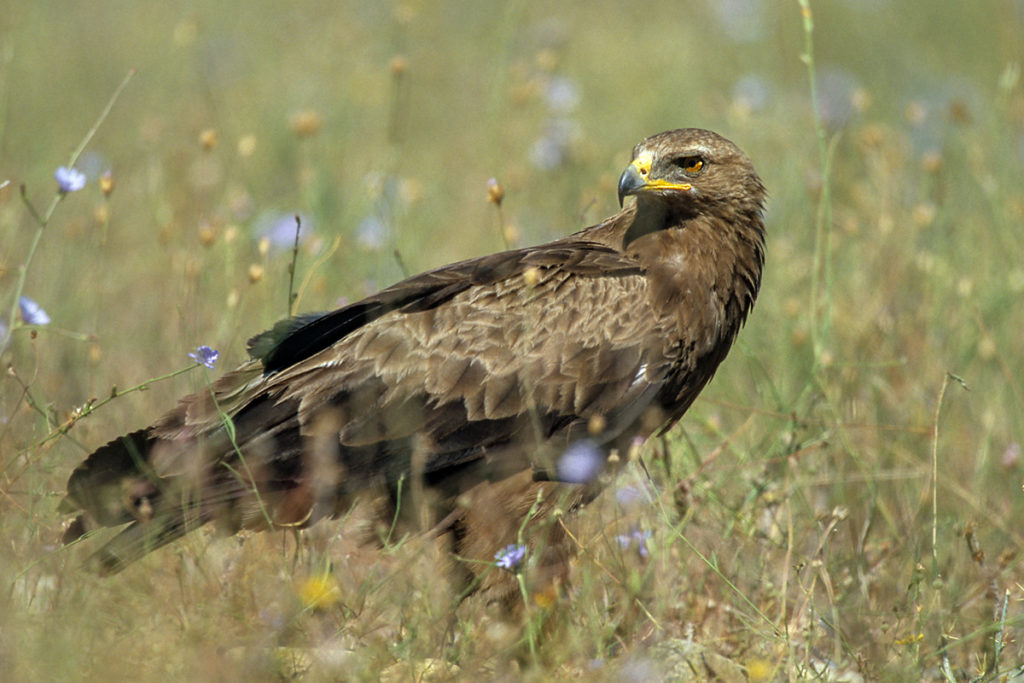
x=833, y=502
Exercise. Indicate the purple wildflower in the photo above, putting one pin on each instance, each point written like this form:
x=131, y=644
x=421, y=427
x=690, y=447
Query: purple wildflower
x=279, y=229
x=836, y=88
x=580, y=463
x=204, y=355
x=372, y=232
x=753, y=92
x=32, y=313
x=743, y=22
x=628, y=495
x=551, y=150
x=562, y=95
x=637, y=537
x=69, y=179
x=510, y=557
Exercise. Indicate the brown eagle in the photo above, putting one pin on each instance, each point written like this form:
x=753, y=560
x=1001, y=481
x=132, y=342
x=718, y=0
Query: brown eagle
x=466, y=388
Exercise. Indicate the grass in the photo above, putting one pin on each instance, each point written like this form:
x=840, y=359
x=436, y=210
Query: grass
x=838, y=501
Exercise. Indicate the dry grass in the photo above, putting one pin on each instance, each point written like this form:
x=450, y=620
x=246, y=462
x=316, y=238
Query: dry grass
x=835, y=503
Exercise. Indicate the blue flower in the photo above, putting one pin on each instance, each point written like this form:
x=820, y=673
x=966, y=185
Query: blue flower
x=836, y=88
x=581, y=463
x=510, y=557
x=562, y=95
x=279, y=229
x=628, y=495
x=743, y=22
x=372, y=232
x=32, y=313
x=753, y=92
x=638, y=537
x=204, y=355
x=69, y=180
x=552, y=149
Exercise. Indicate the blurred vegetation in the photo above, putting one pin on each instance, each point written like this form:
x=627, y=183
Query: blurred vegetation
x=791, y=511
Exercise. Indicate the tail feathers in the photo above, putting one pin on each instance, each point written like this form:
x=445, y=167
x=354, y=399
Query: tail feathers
x=164, y=486
x=141, y=538
x=128, y=482
x=112, y=481
x=116, y=485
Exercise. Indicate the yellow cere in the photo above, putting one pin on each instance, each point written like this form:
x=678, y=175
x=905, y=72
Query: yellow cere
x=643, y=162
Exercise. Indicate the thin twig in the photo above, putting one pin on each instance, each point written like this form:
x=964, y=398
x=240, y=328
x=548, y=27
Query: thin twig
x=99, y=122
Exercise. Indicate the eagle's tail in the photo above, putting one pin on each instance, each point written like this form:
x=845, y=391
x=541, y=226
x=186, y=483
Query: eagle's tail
x=117, y=485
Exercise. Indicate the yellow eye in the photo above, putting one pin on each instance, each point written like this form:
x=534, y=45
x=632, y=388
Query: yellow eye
x=692, y=164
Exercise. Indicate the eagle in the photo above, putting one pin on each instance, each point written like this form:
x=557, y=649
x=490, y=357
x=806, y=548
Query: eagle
x=458, y=395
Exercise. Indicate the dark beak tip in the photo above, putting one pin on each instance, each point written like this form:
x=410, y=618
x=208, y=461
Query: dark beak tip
x=629, y=182
x=624, y=184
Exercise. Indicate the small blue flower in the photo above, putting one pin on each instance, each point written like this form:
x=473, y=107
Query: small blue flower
x=279, y=229
x=69, y=179
x=753, y=92
x=836, y=88
x=628, y=495
x=562, y=95
x=510, y=557
x=639, y=538
x=581, y=463
x=372, y=232
x=204, y=355
x=32, y=313
x=554, y=147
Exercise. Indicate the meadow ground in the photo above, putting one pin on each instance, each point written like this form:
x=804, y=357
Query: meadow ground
x=844, y=502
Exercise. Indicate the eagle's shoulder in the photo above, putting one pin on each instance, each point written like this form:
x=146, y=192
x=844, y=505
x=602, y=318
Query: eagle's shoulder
x=295, y=339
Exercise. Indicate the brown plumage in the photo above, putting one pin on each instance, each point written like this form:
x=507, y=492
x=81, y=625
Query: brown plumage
x=460, y=388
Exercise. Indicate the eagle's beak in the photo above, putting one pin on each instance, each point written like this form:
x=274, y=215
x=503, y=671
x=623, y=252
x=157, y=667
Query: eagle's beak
x=634, y=177
x=637, y=178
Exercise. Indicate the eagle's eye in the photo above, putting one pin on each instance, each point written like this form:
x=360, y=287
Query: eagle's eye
x=690, y=165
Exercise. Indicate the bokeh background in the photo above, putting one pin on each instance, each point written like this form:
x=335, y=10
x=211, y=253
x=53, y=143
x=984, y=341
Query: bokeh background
x=845, y=500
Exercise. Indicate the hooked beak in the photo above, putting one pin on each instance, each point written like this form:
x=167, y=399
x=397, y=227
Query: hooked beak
x=637, y=178
x=631, y=181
